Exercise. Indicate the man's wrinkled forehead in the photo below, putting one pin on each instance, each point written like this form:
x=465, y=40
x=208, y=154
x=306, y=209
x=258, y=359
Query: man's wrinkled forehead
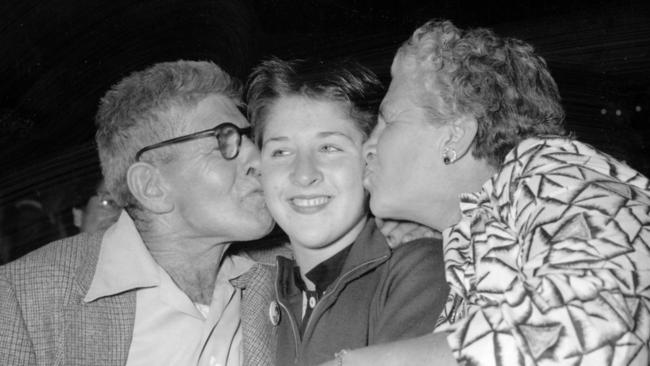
x=231, y=110
x=216, y=108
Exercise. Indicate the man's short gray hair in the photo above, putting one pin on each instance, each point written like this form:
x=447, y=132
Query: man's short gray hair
x=134, y=114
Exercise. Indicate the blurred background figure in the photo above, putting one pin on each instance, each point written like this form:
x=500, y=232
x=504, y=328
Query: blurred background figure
x=74, y=202
x=94, y=210
x=26, y=225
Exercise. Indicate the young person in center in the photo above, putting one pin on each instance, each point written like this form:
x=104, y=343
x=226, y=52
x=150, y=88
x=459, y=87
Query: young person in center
x=346, y=287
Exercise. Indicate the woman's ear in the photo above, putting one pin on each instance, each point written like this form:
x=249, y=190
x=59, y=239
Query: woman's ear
x=468, y=126
x=460, y=135
x=147, y=186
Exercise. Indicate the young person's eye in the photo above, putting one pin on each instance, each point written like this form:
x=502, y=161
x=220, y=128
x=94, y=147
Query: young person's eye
x=330, y=148
x=279, y=153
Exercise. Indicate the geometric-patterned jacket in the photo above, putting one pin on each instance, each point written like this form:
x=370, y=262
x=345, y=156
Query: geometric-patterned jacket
x=550, y=262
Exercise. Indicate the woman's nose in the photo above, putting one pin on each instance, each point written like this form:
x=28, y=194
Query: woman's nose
x=370, y=147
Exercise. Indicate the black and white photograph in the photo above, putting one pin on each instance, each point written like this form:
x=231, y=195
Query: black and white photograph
x=324, y=182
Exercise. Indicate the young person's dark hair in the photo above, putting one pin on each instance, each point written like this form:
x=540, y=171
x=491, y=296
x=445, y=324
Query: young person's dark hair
x=345, y=81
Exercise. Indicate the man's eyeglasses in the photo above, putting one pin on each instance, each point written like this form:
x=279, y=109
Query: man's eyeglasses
x=227, y=134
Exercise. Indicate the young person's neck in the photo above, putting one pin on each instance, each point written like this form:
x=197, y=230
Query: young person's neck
x=308, y=258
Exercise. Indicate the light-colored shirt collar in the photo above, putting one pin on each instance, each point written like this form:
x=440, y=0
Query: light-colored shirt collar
x=124, y=262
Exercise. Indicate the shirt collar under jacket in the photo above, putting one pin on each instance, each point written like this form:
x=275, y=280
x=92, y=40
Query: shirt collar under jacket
x=325, y=272
x=124, y=262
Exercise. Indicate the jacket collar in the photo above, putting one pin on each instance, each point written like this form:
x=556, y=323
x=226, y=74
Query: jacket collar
x=86, y=270
x=370, y=245
x=368, y=251
x=104, y=327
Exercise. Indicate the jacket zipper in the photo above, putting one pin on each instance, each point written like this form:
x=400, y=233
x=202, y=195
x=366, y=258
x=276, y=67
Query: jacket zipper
x=294, y=326
x=326, y=294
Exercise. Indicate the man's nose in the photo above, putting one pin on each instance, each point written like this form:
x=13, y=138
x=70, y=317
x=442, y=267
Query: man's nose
x=251, y=155
x=305, y=170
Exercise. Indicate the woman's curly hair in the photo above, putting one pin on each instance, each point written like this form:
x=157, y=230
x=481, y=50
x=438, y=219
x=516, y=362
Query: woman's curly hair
x=500, y=81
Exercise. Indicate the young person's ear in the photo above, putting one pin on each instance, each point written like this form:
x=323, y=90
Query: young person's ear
x=458, y=139
x=147, y=186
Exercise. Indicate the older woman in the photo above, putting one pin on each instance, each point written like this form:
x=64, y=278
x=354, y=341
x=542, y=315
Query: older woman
x=546, y=239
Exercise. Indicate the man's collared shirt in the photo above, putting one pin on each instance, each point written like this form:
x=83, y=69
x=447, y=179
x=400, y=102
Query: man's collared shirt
x=169, y=328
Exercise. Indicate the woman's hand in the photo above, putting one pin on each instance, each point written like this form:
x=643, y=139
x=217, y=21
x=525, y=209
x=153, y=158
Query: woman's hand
x=427, y=350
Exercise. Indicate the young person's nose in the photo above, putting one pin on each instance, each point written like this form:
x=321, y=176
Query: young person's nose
x=305, y=170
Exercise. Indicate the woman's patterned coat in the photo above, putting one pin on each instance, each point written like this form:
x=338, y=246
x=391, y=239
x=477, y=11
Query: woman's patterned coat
x=550, y=263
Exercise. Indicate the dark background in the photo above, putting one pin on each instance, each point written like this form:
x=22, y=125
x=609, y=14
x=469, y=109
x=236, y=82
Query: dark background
x=58, y=57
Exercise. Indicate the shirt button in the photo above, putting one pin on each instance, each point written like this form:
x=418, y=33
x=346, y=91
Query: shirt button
x=312, y=302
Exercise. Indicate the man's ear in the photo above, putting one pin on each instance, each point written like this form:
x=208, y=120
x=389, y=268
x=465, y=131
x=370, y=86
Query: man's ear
x=147, y=186
x=460, y=135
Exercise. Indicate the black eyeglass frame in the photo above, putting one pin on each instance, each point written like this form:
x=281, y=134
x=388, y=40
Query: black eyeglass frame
x=216, y=132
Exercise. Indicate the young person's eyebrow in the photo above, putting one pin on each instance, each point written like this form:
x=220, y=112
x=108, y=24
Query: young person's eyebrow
x=334, y=133
x=323, y=134
x=275, y=139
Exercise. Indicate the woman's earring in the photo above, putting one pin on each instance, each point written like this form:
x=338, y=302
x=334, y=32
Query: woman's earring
x=448, y=156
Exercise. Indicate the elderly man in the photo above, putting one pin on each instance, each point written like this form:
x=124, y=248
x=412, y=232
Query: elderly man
x=157, y=287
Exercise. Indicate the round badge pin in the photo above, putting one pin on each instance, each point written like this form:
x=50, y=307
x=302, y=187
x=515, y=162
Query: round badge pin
x=274, y=313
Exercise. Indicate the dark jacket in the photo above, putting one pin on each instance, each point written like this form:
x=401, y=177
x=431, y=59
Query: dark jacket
x=381, y=295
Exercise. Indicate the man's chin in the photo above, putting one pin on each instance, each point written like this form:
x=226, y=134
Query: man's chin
x=262, y=227
x=269, y=227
